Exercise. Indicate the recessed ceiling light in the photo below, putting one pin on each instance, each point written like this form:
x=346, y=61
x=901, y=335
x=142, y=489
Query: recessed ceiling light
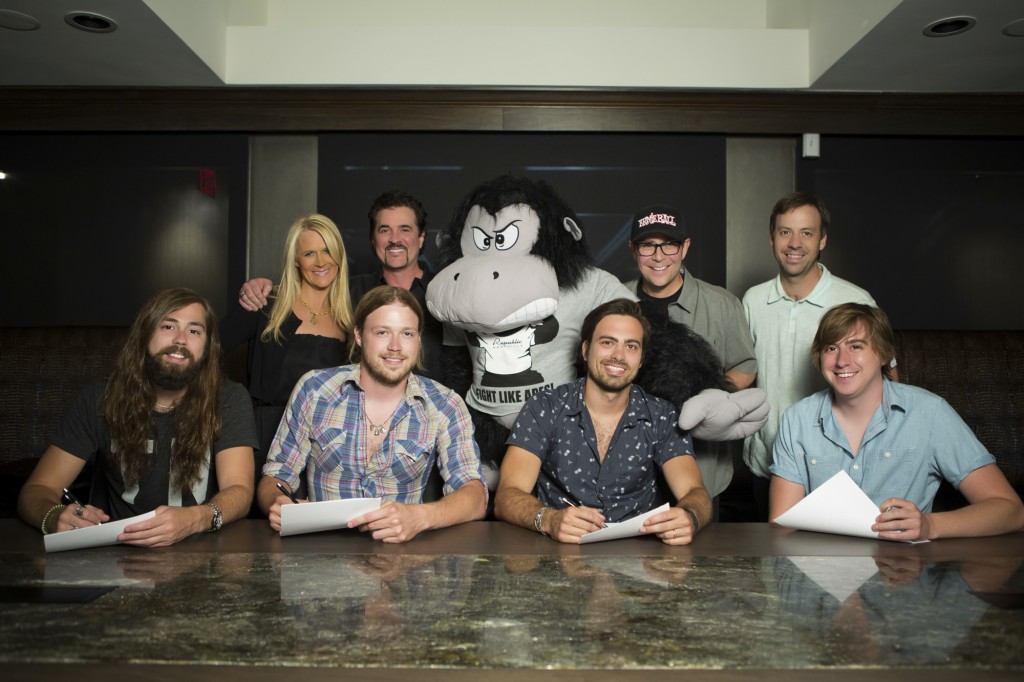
x=1014, y=29
x=16, y=21
x=949, y=26
x=91, y=22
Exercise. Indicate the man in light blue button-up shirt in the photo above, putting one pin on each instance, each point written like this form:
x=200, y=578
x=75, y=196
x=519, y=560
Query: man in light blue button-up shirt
x=897, y=442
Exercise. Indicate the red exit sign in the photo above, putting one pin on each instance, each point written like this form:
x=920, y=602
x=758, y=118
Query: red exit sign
x=208, y=181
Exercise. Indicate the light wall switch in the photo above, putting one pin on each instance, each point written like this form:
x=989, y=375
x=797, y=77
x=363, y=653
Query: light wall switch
x=812, y=145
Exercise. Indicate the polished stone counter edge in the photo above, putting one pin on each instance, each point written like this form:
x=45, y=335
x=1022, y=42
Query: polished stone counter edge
x=190, y=673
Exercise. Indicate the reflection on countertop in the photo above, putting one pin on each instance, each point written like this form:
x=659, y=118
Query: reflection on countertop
x=513, y=611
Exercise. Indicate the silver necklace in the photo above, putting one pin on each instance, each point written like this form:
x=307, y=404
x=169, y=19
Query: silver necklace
x=376, y=429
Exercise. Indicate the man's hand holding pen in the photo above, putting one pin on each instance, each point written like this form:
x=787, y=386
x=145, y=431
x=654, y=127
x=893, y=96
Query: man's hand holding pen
x=901, y=520
x=287, y=497
x=573, y=522
x=78, y=515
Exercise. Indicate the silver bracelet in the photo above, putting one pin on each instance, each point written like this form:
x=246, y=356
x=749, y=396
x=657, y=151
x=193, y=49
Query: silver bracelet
x=538, y=518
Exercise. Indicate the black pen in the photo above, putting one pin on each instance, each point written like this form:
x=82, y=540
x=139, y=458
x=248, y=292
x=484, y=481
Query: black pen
x=79, y=507
x=70, y=497
x=571, y=504
x=288, y=493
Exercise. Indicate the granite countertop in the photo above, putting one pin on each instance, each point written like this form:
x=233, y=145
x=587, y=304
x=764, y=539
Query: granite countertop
x=473, y=611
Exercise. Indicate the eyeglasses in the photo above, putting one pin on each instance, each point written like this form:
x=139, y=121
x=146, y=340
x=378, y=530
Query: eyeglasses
x=667, y=248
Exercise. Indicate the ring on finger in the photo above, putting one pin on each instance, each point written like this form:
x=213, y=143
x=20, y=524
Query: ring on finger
x=79, y=512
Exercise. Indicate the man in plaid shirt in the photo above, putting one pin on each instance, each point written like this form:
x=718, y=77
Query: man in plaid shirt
x=375, y=429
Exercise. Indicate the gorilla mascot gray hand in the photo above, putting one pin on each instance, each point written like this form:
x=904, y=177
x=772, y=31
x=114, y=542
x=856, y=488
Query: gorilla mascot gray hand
x=682, y=367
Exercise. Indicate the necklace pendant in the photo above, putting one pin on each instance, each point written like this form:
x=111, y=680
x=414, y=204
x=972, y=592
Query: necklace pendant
x=312, y=318
x=375, y=429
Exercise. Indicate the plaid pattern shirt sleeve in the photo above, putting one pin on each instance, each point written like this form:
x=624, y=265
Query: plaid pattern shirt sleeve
x=458, y=454
x=290, y=447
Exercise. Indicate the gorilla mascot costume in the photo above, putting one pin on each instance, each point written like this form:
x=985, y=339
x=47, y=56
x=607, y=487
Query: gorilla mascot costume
x=516, y=283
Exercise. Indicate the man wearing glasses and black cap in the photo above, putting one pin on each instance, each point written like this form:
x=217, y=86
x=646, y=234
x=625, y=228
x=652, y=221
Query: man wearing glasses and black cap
x=659, y=243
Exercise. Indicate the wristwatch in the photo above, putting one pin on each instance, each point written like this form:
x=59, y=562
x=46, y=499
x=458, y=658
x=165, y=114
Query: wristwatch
x=218, y=518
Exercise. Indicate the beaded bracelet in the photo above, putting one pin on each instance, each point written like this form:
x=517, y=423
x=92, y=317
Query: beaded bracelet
x=49, y=513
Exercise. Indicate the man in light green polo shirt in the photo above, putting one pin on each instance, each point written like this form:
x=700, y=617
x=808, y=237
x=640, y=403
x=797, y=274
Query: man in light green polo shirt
x=783, y=314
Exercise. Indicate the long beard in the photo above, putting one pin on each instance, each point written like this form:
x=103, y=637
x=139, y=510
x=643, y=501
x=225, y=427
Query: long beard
x=171, y=377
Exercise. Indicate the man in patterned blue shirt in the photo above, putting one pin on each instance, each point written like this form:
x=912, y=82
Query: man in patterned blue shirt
x=590, y=449
x=374, y=429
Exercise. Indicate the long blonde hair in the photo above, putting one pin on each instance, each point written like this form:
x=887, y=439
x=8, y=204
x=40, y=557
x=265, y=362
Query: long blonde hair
x=287, y=290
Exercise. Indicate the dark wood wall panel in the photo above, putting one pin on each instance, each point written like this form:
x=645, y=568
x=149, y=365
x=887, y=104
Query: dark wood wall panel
x=526, y=110
x=93, y=224
x=933, y=228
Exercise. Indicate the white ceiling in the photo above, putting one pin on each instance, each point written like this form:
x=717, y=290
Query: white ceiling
x=830, y=45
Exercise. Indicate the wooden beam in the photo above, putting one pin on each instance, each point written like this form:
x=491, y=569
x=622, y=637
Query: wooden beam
x=277, y=110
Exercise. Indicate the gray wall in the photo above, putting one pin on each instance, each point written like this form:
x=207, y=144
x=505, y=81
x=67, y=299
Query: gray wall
x=759, y=170
x=282, y=187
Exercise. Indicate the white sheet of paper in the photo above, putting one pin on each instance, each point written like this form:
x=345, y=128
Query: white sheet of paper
x=91, y=536
x=328, y=515
x=837, y=506
x=622, y=529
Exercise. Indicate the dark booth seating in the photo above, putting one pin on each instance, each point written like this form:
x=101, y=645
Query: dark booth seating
x=41, y=369
x=980, y=373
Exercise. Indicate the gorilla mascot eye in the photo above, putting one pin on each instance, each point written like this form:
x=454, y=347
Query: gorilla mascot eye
x=506, y=238
x=481, y=239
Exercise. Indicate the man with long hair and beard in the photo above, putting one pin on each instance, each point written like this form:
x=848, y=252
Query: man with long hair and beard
x=375, y=429
x=166, y=432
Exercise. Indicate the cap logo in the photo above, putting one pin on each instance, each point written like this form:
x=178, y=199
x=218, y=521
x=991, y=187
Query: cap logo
x=657, y=219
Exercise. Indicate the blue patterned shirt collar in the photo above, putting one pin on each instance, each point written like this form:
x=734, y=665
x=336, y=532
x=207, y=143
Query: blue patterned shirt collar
x=893, y=397
x=638, y=409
